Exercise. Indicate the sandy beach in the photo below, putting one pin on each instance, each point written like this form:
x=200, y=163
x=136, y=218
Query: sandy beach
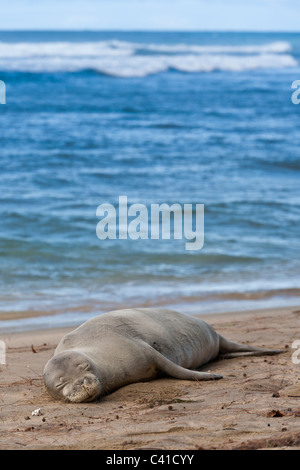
x=255, y=406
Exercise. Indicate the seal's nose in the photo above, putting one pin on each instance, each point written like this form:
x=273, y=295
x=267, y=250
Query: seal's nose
x=88, y=381
x=92, y=387
x=85, y=389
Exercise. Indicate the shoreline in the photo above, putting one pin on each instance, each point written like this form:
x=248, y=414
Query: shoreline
x=32, y=320
x=255, y=405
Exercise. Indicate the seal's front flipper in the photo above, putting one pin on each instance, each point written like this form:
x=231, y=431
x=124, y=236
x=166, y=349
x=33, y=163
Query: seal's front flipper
x=178, y=372
x=229, y=349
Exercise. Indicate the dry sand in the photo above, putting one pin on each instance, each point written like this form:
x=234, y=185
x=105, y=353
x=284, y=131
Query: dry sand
x=255, y=406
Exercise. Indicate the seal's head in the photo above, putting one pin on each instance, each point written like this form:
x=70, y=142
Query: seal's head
x=72, y=376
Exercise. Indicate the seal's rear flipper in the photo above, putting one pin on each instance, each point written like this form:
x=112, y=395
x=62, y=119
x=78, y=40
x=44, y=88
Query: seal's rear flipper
x=178, y=372
x=229, y=349
x=265, y=352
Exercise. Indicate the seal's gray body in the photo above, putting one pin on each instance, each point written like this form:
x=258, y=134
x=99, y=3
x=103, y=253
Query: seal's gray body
x=126, y=346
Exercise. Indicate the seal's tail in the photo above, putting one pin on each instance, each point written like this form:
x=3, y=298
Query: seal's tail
x=229, y=349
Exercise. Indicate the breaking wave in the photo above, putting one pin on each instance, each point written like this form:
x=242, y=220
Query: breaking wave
x=129, y=59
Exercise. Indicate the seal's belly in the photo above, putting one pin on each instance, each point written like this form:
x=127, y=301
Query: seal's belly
x=187, y=347
x=183, y=339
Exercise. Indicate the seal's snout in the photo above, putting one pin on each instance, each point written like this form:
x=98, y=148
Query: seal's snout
x=87, y=388
x=72, y=376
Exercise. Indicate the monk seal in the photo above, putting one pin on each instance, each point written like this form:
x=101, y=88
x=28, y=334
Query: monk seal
x=133, y=345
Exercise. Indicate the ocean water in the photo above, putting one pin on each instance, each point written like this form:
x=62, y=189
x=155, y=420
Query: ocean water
x=161, y=118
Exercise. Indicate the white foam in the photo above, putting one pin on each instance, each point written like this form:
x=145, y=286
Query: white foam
x=125, y=59
x=64, y=49
x=123, y=48
x=274, y=47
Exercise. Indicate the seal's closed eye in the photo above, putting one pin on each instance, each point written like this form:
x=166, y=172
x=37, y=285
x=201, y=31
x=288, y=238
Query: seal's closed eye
x=60, y=385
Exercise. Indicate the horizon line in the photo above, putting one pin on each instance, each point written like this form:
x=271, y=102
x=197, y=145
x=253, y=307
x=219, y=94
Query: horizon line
x=113, y=30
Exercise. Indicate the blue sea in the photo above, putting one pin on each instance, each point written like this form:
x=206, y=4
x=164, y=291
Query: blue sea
x=199, y=118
